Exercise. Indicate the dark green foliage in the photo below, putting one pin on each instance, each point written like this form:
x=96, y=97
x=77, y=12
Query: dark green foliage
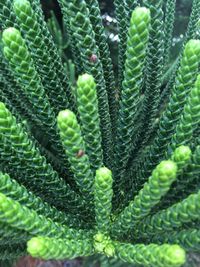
x=74, y=145
x=100, y=37
x=188, y=239
x=86, y=168
x=22, y=218
x=12, y=189
x=173, y=217
x=168, y=28
x=154, y=71
x=184, y=82
x=26, y=19
x=130, y=93
x=85, y=37
x=90, y=123
x=153, y=190
x=121, y=13
x=17, y=148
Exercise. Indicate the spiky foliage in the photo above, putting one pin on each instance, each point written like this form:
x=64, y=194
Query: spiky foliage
x=79, y=177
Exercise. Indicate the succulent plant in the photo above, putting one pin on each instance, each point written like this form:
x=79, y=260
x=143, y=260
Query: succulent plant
x=110, y=165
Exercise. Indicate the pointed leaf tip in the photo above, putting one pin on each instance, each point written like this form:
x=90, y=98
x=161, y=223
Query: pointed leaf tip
x=85, y=78
x=34, y=246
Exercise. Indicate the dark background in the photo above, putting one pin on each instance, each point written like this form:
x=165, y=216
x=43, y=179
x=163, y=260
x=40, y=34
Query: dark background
x=183, y=8
x=107, y=7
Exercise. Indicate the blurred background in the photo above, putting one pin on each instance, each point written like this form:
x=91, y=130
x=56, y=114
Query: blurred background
x=54, y=18
x=183, y=9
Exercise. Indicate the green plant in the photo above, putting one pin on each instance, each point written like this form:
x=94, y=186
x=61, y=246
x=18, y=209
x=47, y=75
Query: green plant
x=96, y=168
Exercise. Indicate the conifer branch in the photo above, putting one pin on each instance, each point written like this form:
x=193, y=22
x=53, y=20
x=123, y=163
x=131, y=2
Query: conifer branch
x=163, y=256
x=185, y=80
x=131, y=90
x=26, y=18
x=85, y=37
x=168, y=28
x=103, y=199
x=187, y=239
x=173, y=217
x=58, y=249
x=101, y=40
x=22, y=218
x=74, y=146
x=86, y=97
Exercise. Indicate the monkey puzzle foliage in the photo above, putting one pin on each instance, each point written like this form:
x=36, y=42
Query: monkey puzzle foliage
x=109, y=166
